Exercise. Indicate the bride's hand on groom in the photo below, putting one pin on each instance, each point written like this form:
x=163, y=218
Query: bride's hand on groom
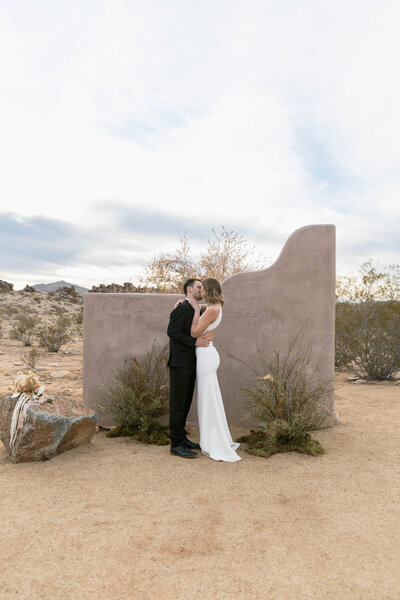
x=179, y=302
x=194, y=303
x=202, y=342
x=201, y=306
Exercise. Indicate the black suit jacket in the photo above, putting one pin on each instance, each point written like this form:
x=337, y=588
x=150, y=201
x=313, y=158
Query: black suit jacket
x=181, y=344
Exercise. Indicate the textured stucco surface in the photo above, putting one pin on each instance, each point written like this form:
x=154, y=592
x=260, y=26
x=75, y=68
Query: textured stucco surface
x=263, y=310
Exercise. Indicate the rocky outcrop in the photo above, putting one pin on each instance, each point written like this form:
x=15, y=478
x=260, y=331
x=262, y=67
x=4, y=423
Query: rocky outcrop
x=29, y=288
x=114, y=288
x=67, y=293
x=48, y=429
x=127, y=288
x=6, y=287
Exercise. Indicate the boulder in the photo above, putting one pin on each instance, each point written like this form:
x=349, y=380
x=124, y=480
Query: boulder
x=48, y=429
x=6, y=287
x=30, y=289
x=129, y=287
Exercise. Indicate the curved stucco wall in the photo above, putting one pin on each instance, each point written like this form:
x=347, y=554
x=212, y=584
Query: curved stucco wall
x=263, y=310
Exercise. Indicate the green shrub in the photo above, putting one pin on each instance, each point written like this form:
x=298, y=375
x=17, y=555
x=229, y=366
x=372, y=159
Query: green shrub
x=24, y=330
x=291, y=400
x=136, y=395
x=55, y=335
x=368, y=338
x=344, y=317
x=368, y=321
x=280, y=437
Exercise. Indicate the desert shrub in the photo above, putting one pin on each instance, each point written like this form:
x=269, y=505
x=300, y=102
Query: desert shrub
x=344, y=317
x=58, y=310
x=78, y=317
x=136, y=395
x=280, y=437
x=24, y=329
x=368, y=321
x=10, y=310
x=31, y=358
x=55, y=335
x=370, y=284
x=368, y=338
x=227, y=253
x=291, y=400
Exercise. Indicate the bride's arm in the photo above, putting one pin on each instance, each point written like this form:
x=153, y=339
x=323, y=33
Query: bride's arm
x=200, y=323
x=202, y=306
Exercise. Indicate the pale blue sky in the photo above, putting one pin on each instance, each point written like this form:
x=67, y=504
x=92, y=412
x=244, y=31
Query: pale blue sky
x=126, y=123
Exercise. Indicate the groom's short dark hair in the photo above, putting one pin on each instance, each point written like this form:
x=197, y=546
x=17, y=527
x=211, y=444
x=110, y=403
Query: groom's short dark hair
x=189, y=283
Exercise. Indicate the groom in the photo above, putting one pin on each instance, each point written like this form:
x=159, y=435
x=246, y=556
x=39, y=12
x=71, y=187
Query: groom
x=182, y=368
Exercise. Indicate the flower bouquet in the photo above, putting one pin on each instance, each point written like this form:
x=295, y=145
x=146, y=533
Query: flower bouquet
x=28, y=390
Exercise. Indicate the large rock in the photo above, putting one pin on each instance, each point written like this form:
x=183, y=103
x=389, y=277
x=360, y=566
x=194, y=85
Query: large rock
x=48, y=429
x=6, y=287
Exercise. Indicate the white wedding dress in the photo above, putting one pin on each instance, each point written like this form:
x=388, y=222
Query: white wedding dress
x=215, y=438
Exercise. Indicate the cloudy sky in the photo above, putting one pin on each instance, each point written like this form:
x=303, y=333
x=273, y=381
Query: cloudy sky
x=126, y=123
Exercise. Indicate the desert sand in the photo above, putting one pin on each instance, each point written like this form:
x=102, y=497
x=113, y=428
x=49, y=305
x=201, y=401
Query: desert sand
x=119, y=520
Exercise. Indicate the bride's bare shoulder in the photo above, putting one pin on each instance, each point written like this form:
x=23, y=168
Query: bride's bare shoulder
x=213, y=309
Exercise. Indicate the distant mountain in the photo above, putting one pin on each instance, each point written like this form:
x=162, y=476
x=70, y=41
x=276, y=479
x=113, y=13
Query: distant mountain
x=52, y=287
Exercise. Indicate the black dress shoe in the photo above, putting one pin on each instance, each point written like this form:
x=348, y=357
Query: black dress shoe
x=183, y=451
x=191, y=445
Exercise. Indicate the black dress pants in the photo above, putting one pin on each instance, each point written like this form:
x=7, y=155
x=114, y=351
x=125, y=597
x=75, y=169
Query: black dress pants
x=181, y=387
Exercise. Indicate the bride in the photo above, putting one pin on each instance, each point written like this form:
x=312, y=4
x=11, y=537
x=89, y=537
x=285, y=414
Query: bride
x=215, y=438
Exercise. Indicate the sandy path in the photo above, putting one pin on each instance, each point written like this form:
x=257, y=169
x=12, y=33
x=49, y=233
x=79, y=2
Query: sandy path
x=119, y=520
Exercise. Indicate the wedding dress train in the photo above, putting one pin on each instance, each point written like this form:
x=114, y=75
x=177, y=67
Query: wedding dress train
x=215, y=438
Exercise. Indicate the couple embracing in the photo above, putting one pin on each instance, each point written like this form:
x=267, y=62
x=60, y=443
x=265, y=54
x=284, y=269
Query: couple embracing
x=193, y=359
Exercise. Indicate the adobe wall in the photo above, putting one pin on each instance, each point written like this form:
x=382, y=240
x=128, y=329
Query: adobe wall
x=263, y=310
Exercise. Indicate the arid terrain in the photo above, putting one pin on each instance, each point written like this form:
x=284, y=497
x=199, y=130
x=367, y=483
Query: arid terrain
x=119, y=520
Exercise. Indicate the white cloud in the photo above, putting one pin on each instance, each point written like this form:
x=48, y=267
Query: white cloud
x=263, y=114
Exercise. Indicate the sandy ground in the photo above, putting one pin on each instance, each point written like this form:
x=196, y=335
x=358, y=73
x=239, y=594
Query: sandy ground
x=118, y=520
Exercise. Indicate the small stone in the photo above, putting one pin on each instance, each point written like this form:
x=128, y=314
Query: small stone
x=1, y=352
x=18, y=364
x=60, y=373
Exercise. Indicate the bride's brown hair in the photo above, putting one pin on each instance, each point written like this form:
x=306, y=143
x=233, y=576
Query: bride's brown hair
x=213, y=291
